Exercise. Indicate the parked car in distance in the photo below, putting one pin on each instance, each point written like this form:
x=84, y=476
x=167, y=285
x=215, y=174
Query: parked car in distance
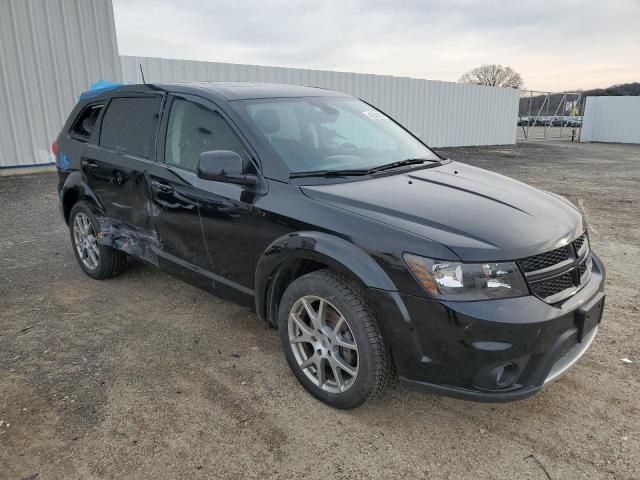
x=573, y=122
x=373, y=256
x=551, y=122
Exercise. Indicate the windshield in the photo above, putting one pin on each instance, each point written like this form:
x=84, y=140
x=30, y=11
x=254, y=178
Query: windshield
x=330, y=133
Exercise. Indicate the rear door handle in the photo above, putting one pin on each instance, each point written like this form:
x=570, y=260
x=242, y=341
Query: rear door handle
x=162, y=187
x=91, y=164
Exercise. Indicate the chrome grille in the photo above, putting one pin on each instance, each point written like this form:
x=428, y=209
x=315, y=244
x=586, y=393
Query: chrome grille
x=547, y=288
x=582, y=267
x=557, y=274
x=580, y=241
x=545, y=260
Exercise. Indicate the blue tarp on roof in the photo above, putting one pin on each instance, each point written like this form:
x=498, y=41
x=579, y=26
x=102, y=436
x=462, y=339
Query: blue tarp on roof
x=99, y=87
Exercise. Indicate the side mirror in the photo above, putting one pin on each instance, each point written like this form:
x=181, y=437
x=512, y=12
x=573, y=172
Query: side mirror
x=224, y=166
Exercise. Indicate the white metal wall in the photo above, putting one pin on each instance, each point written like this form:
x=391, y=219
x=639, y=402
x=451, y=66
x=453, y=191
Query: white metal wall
x=50, y=52
x=443, y=114
x=611, y=119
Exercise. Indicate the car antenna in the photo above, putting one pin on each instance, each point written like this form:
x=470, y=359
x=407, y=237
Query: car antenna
x=142, y=73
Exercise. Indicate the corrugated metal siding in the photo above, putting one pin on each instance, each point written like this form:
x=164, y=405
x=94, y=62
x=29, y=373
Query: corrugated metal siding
x=52, y=51
x=611, y=119
x=443, y=114
x=49, y=53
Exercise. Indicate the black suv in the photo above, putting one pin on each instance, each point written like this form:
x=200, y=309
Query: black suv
x=372, y=256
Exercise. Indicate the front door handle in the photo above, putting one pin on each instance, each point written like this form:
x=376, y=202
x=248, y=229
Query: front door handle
x=91, y=164
x=162, y=187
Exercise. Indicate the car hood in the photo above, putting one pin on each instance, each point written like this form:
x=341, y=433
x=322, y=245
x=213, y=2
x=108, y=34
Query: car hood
x=479, y=215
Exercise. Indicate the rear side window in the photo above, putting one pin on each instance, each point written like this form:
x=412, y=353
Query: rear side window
x=129, y=125
x=83, y=126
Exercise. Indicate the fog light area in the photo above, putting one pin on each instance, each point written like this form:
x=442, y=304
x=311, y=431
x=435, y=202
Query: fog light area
x=498, y=377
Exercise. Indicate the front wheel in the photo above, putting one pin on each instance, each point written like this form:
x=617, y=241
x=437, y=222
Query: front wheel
x=332, y=341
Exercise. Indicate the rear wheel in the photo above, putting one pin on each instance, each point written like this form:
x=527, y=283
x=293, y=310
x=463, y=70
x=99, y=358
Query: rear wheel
x=98, y=261
x=332, y=340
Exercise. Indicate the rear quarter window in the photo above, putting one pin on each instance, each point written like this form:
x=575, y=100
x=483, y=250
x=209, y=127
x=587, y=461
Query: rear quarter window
x=129, y=125
x=86, y=121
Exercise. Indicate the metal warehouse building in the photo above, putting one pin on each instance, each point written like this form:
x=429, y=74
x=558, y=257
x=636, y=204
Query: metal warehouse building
x=51, y=51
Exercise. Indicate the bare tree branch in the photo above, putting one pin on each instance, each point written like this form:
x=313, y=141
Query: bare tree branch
x=493, y=76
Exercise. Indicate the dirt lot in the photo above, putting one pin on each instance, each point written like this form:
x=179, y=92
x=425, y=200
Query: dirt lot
x=143, y=376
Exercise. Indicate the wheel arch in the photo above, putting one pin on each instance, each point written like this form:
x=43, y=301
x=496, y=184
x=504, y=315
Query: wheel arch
x=296, y=254
x=75, y=190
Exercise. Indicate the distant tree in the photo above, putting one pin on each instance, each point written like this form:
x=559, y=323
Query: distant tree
x=624, y=89
x=493, y=76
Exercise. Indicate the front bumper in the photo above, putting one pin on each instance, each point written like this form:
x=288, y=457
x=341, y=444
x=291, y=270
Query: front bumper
x=453, y=348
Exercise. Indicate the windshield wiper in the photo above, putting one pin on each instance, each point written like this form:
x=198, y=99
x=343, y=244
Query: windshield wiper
x=402, y=163
x=363, y=171
x=330, y=173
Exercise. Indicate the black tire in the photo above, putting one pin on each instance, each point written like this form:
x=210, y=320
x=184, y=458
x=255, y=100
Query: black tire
x=110, y=262
x=373, y=358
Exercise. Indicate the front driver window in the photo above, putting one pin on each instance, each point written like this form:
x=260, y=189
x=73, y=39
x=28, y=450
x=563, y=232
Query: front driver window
x=194, y=129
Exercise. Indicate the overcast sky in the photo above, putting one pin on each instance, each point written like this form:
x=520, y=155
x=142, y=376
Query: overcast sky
x=553, y=44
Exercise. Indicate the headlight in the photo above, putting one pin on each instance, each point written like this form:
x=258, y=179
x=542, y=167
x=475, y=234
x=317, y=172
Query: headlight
x=467, y=281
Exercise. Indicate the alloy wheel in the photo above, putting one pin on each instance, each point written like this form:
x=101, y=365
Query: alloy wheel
x=86, y=241
x=323, y=344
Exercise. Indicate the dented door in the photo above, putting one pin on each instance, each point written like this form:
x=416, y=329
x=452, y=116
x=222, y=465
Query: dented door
x=116, y=172
x=174, y=201
x=202, y=225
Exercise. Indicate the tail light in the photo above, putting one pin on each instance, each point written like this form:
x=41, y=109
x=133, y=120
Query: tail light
x=54, y=148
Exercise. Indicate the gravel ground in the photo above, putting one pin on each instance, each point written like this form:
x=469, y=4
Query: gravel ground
x=143, y=376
